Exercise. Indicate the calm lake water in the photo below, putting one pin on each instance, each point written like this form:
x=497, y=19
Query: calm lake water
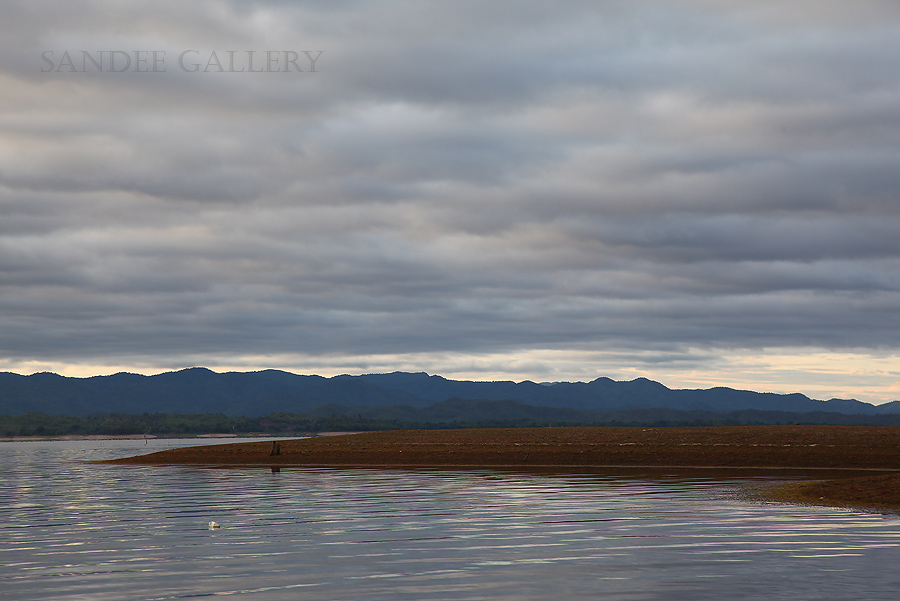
x=70, y=530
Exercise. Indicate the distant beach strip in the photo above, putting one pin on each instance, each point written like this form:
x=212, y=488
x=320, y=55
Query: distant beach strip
x=857, y=448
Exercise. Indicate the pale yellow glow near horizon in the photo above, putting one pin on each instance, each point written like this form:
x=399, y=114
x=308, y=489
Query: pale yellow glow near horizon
x=870, y=377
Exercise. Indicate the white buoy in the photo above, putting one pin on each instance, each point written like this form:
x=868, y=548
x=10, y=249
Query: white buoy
x=214, y=525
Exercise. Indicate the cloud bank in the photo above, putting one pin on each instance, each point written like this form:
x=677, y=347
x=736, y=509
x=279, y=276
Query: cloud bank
x=506, y=189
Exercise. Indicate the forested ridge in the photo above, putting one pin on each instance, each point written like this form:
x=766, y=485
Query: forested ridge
x=179, y=424
x=254, y=394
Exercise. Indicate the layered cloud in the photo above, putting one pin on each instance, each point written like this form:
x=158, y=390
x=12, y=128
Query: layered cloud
x=686, y=180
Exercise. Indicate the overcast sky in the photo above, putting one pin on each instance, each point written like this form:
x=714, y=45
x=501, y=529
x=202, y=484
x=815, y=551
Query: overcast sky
x=703, y=192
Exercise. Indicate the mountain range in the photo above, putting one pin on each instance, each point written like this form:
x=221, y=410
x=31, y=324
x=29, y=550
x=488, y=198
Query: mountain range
x=200, y=390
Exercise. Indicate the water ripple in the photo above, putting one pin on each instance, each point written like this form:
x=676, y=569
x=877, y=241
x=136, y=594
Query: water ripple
x=71, y=530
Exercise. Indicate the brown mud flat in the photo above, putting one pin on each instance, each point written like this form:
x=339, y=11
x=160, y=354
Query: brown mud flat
x=873, y=492
x=821, y=447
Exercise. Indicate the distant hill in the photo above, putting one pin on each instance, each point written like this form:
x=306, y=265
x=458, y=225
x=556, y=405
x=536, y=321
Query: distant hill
x=251, y=394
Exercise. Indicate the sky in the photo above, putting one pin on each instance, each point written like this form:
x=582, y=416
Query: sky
x=704, y=193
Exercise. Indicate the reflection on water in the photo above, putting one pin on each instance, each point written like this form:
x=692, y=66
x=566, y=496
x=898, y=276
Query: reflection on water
x=71, y=530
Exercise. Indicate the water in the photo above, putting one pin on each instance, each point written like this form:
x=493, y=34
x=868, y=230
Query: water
x=70, y=530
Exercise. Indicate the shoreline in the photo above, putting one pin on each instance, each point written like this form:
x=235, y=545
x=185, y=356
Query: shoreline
x=215, y=435
x=69, y=437
x=853, y=449
x=66, y=437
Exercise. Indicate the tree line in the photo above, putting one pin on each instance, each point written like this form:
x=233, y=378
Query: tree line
x=176, y=424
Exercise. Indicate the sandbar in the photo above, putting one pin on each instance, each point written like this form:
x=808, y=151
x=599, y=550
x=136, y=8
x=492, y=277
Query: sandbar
x=872, y=452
